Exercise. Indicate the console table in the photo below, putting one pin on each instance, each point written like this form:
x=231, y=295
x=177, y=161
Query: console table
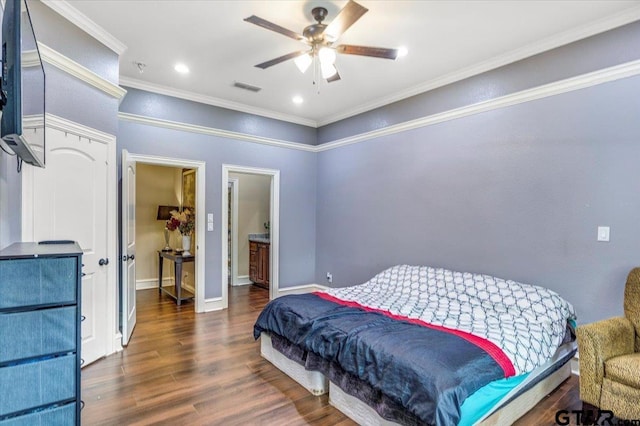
x=178, y=293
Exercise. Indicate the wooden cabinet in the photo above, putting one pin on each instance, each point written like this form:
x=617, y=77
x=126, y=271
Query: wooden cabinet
x=40, y=323
x=259, y=263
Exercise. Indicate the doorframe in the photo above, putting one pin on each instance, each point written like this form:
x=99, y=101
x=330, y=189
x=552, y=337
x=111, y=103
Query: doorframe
x=274, y=251
x=200, y=168
x=235, y=189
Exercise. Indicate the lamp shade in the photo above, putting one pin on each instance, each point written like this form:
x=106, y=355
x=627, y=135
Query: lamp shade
x=164, y=212
x=303, y=62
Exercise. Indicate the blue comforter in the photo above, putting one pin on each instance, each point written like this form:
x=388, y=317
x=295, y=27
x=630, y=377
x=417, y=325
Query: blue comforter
x=428, y=372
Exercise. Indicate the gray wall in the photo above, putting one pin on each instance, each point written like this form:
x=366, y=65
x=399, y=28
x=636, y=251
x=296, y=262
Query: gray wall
x=297, y=186
x=516, y=192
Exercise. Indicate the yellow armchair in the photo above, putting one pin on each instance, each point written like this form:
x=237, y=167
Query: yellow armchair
x=610, y=357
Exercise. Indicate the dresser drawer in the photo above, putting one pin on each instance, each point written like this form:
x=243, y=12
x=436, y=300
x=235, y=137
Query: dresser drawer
x=56, y=416
x=37, y=383
x=40, y=332
x=27, y=282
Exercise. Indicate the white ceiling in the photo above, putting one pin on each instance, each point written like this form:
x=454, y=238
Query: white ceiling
x=447, y=40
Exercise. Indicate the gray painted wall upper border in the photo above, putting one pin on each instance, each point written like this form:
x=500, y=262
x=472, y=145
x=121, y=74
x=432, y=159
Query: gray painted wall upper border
x=617, y=46
x=165, y=107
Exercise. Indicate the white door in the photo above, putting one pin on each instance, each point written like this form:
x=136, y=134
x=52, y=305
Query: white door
x=70, y=202
x=128, y=247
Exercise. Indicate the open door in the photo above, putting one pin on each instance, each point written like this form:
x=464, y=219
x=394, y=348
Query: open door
x=128, y=247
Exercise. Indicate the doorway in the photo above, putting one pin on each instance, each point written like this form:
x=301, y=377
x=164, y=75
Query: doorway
x=271, y=226
x=128, y=281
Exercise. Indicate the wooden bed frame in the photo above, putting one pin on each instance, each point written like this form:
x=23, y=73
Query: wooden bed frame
x=317, y=384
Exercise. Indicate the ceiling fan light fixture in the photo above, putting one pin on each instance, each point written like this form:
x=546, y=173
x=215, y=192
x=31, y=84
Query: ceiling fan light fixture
x=327, y=70
x=327, y=55
x=303, y=62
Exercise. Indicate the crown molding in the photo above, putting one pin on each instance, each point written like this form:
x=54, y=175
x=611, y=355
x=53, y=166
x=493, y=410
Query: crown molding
x=210, y=100
x=73, y=68
x=617, y=72
x=80, y=20
x=563, y=38
x=192, y=128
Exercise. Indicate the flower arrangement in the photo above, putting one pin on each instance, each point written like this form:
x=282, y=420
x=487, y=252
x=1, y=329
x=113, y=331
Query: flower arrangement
x=183, y=221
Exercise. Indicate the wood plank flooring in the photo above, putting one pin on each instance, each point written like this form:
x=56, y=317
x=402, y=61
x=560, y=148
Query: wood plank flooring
x=186, y=369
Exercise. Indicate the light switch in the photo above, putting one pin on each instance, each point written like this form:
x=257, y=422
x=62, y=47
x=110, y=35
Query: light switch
x=210, y=217
x=210, y=226
x=603, y=233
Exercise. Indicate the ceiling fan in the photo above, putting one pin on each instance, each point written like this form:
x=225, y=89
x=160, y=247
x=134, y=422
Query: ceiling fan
x=320, y=39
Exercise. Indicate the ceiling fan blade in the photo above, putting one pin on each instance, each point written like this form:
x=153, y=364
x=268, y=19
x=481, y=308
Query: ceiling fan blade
x=334, y=77
x=274, y=27
x=346, y=17
x=282, y=59
x=376, y=52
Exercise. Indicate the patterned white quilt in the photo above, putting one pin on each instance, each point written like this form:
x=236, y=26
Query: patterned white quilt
x=527, y=322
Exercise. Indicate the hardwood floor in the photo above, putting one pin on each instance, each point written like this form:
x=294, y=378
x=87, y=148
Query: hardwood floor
x=186, y=369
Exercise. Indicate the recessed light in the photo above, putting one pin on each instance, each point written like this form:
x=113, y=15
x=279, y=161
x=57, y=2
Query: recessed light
x=297, y=100
x=181, y=68
x=402, y=51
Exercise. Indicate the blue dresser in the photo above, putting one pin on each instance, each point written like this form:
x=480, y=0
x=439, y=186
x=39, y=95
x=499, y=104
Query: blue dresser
x=40, y=334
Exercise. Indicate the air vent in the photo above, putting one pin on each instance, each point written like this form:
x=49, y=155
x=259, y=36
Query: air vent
x=246, y=86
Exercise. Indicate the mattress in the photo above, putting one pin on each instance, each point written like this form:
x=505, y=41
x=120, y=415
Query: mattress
x=494, y=404
x=415, y=343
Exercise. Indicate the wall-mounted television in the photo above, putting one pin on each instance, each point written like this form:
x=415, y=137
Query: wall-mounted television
x=23, y=86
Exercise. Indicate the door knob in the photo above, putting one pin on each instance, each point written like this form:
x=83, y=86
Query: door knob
x=103, y=262
x=131, y=257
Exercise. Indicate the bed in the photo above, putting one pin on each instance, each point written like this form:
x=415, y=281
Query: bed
x=422, y=345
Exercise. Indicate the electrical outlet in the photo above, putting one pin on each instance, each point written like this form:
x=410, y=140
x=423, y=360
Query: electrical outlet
x=329, y=277
x=603, y=233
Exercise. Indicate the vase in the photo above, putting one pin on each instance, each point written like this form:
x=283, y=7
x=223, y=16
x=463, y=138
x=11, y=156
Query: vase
x=167, y=247
x=186, y=244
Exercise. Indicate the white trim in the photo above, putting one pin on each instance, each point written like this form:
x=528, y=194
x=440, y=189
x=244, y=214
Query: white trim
x=150, y=283
x=116, y=342
x=575, y=365
x=583, y=81
x=210, y=100
x=112, y=219
x=193, y=128
x=562, y=86
x=201, y=224
x=301, y=289
x=80, y=72
x=274, y=217
x=242, y=280
x=539, y=46
x=77, y=18
x=67, y=126
x=213, y=304
x=234, y=233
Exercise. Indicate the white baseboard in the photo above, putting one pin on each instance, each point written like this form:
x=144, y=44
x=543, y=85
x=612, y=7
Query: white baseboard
x=213, y=304
x=575, y=364
x=242, y=280
x=148, y=283
x=117, y=342
x=301, y=289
